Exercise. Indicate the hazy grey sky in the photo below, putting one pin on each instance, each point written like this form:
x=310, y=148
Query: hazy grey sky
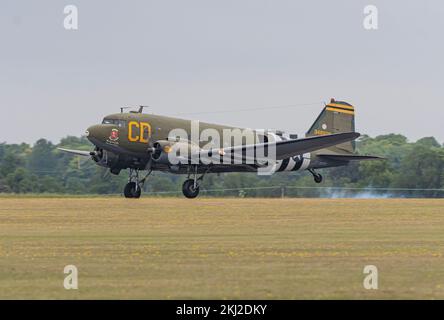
x=205, y=55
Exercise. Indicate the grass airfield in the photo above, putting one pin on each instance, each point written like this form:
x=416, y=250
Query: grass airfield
x=173, y=248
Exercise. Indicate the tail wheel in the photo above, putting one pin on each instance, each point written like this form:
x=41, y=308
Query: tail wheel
x=131, y=190
x=189, y=190
x=318, y=178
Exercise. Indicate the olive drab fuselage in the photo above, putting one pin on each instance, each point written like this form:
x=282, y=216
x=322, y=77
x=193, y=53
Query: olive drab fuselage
x=131, y=135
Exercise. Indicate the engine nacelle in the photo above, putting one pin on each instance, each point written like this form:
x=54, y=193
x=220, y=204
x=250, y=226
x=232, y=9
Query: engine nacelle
x=105, y=158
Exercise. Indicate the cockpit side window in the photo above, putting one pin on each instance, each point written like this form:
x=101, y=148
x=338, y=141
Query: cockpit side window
x=119, y=123
x=108, y=121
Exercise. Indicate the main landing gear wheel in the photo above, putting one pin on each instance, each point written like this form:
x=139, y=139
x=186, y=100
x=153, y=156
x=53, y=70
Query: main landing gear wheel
x=132, y=190
x=190, y=189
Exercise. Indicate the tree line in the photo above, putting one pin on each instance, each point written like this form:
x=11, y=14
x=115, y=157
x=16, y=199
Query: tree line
x=411, y=169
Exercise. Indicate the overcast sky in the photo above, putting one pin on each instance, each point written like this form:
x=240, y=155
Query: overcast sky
x=201, y=56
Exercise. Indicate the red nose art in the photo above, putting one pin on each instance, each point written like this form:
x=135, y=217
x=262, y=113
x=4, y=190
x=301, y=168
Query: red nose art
x=114, y=134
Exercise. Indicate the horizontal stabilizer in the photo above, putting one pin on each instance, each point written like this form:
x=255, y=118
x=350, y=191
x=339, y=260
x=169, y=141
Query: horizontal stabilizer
x=348, y=157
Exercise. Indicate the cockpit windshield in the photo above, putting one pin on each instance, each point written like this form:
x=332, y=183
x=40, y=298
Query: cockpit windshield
x=117, y=122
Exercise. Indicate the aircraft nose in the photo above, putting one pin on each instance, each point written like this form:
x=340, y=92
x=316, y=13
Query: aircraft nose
x=93, y=132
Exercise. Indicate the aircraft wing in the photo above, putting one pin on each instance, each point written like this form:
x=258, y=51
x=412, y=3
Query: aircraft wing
x=290, y=148
x=76, y=152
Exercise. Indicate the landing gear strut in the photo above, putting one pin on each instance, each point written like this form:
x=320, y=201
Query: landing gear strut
x=133, y=188
x=316, y=176
x=190, y=187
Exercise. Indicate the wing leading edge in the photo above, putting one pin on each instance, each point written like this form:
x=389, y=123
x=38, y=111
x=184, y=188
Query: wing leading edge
x=76, y=152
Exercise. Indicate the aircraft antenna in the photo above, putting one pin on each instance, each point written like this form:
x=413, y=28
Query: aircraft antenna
x=124, y=108
x=141, y=108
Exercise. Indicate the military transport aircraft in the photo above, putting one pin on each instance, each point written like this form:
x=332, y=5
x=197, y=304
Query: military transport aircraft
x=138, y=141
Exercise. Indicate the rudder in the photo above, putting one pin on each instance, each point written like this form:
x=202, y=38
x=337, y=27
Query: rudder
x=336, y=117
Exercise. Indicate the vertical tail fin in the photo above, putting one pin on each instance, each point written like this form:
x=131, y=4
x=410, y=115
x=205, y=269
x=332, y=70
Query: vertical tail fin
x=336, y=117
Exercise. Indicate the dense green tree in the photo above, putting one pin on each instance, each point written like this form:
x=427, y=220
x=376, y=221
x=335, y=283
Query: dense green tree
x=10, y=162
x=421, y=168
x=47, y=184
x=161, y=183
x=43, y=160
x=20, y=181
x=377, y=174
x=428, y=142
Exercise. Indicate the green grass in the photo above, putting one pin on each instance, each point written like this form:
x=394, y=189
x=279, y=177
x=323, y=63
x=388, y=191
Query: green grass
x=167, y=248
